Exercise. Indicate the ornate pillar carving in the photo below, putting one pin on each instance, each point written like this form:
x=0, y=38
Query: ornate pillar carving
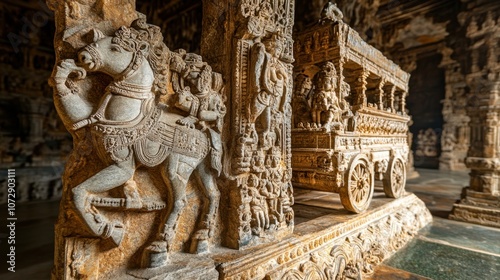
x=250, y=42
x=392, y=90
x=455, y=135
x=480, y=201
x=362, y=74
x=380, y=94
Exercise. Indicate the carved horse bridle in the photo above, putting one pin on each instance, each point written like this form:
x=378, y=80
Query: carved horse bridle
x=119, y=86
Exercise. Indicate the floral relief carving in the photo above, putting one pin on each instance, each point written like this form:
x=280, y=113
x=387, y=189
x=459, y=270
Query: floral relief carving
x=332, y=254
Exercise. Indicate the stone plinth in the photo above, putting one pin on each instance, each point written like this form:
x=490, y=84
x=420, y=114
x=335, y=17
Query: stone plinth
x=328, y=242
x=333, y=245
x=477, y=207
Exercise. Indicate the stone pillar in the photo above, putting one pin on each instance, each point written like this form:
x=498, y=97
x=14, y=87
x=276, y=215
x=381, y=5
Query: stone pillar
x=155, y=173
x=250, y=43
x=455, y=136
x=481, y=200
x=78, y=254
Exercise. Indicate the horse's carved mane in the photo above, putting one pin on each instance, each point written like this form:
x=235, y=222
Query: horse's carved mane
x=147, y=39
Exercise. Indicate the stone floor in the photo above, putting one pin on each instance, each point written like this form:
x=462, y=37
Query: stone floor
x=444, y=250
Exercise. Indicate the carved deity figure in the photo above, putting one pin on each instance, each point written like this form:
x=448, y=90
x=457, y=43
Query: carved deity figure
x=130, y=128
x=325, y=101
x=308, y=45
x=201, y=99
x=273, y=176
x=258, y=162
x=258, y=204
x=286, y=196
x=269, y=85
x=300, y=104
x=244, y=149
x=448, y=140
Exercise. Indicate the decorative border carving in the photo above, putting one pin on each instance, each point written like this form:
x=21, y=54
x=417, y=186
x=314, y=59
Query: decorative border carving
x=341, y=250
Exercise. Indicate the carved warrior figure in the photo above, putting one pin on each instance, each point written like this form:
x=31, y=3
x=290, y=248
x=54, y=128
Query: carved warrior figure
x=269, y=85
x=130, y=128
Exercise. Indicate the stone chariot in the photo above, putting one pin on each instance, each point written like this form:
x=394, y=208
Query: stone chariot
x=350, y=120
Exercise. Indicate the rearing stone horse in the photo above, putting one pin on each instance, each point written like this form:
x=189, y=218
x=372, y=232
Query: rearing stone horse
x=129, y=128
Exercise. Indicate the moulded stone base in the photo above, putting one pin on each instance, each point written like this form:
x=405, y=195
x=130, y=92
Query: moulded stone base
x=477, y=207
x=334, y=245
x=181, y=266
x=328, y=242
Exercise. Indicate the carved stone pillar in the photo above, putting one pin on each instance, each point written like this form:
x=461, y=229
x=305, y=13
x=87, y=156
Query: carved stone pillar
x=455, y=136
x=391, y=92
x=250, y=42
x=33, y=117
x=149, y=139
x=140, y=189
x=380, y=94
x=481, y=200
x=361, y=100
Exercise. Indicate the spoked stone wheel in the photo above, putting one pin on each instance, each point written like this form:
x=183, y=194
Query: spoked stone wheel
x=357, y=192
x=395, y=178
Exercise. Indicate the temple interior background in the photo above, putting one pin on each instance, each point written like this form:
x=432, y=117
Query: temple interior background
x=427, y=38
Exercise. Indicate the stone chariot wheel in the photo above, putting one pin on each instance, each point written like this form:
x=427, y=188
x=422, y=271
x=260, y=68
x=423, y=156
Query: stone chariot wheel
x=357, y=192
x=395, y=178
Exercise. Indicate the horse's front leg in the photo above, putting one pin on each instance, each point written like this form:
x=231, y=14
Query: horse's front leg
x=199, y=243
x=109, y=178
x=72, y=107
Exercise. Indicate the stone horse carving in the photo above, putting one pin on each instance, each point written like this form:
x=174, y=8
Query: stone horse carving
x=130, y=128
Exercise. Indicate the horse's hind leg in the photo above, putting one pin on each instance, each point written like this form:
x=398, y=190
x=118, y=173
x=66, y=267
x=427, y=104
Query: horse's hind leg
x=199, y=243
x=104, y=180
x=176, y=174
